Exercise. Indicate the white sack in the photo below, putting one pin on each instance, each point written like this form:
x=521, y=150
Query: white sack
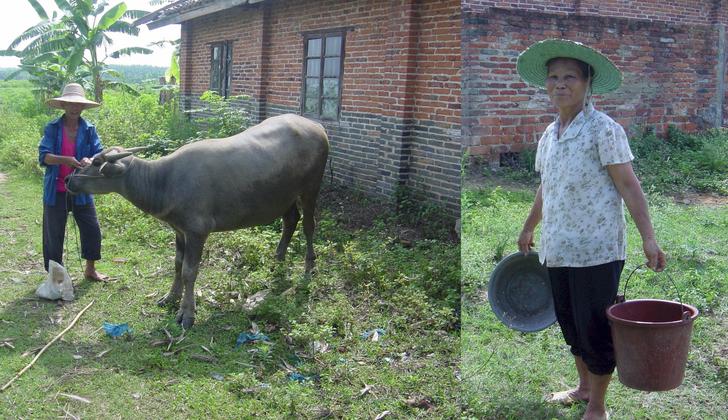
x=57, y=284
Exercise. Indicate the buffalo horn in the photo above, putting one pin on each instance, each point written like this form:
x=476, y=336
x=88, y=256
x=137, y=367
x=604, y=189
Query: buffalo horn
x=109, y=150
x=116, y=156
x=136, y=149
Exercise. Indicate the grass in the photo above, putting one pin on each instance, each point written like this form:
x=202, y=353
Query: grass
x=507, y=374
x=367, y=278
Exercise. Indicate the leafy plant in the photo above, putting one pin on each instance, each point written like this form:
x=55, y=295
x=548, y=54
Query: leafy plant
x=415, y=211
x=222, y=117
x=66, y=48
x=682, y=161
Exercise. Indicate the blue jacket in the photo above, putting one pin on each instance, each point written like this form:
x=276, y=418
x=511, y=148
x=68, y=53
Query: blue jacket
x=87, y=145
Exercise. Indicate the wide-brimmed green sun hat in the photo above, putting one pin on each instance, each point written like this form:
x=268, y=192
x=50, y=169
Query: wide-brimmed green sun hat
x=531, y=63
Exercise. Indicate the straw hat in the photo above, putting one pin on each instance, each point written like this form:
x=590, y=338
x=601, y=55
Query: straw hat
x=72, y=93
x=531, y=63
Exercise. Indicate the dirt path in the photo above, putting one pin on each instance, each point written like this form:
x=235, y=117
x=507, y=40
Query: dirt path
x=702, y=199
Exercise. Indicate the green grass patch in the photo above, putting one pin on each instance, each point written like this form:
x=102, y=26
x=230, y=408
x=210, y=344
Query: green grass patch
x=507, y=374
x=366, y=278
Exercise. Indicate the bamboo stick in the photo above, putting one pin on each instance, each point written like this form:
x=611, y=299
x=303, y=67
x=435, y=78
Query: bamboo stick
x=37, y=356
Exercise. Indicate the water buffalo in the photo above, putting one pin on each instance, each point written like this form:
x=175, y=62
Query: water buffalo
x=249, y=179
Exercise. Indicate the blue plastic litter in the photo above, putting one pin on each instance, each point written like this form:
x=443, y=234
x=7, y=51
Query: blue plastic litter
x=244, y=338
x=294, y=376
x=366, y=334
x=116, y=330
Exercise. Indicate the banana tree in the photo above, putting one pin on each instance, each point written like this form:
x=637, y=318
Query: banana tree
x=72, y=44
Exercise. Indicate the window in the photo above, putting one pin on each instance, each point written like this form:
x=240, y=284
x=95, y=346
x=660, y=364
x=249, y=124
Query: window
x=220, y=63
x=322, y=69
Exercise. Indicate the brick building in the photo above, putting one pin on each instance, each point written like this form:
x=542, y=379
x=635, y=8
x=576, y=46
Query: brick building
x=672, y=54
x=383, y=77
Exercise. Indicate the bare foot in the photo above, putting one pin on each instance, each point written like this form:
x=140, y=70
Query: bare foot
x=95, y=276
x=569, y=397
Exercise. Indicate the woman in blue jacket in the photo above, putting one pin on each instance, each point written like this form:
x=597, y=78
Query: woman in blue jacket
x=68, y=143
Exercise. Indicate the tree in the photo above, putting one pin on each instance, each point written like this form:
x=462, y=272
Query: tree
x=66, y=48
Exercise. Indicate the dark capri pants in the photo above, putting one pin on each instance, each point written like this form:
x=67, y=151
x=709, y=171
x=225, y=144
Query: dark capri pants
x=54, y=229
x=581, y=298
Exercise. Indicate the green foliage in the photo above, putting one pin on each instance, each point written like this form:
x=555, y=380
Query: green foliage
x=414, y=210
x=19, y=138
x=65, y=48
x=223, y=117
x=519, y=168
x=16, y=97
x=173, y=69
x=5, y=72
x=125, y=120
x=682, y=162
x=21, y=127
x=135, y=74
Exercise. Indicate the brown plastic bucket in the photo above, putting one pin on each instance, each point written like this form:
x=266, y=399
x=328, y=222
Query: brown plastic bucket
x=651, y=341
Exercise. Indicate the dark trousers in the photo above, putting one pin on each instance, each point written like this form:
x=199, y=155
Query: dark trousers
x=581, y=298
x=54, y=229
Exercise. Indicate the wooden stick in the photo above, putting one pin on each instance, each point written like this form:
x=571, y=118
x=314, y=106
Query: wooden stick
x=37, y=356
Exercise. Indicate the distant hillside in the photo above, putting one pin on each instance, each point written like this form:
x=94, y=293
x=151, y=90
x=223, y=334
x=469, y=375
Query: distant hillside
x=130, y=74
x=139, y=74
x=4, y=72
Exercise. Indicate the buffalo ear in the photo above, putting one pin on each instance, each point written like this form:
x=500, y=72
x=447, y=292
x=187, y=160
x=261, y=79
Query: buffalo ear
x=112, y=169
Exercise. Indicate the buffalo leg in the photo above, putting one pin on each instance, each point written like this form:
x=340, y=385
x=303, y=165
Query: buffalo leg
x=175, y=293
x=290, y=220
x=190, y=267
x=308, y=204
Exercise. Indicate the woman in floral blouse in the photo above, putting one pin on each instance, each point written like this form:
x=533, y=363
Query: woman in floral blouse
x=584, y=161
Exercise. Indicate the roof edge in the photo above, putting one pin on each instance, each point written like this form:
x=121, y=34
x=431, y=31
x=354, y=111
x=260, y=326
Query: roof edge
x=167, y=15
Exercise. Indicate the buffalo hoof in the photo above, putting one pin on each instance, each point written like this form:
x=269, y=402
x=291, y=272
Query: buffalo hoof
x=168, y=300
x=185, y=321
x=310, y=265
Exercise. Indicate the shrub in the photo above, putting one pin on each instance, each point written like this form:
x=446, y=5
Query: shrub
x=224, y=117
x=682, y=161
x=127, y=120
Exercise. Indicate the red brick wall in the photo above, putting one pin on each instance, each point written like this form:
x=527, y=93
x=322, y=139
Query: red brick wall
x=669, y=69
x=400, y=116
x=437, y=96
x=675, y=11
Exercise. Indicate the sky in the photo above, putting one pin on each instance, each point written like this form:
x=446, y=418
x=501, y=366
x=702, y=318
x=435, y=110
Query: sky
x=19, y=15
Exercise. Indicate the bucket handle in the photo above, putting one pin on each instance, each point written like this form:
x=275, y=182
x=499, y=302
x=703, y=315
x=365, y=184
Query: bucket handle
x=621, y=298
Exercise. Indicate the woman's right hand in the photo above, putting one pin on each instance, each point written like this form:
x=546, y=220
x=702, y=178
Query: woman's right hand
x=656, y=259
x=71, y=162
x=525, y=241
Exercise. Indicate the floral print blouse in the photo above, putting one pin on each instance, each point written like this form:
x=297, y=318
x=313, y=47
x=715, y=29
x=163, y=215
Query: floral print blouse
x=582, y=215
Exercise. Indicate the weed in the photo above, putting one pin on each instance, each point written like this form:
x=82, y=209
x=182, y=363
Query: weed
x=682, y=162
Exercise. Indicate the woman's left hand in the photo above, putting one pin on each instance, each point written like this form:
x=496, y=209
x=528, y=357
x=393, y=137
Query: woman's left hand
x=655, y=257
x=85, y=162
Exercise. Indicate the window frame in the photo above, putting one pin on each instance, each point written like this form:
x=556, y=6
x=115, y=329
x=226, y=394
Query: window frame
x=224, y=67
x=323, y=35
